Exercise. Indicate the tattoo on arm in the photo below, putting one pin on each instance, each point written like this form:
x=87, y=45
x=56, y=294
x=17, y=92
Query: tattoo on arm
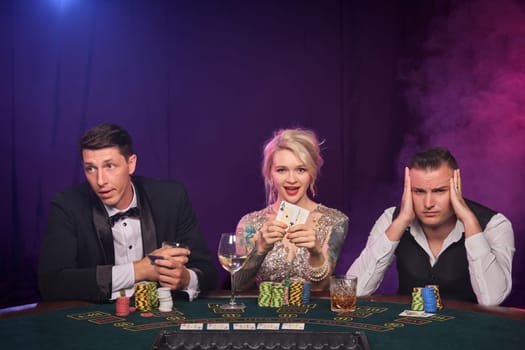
x=336, y=241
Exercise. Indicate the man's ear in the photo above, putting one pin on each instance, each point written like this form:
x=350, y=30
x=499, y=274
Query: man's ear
x=132, y=163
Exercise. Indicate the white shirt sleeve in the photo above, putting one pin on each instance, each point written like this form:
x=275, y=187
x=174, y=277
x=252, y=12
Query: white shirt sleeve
x=489, y=255
x=374, y=260
x=193, y=287
x=122, y=278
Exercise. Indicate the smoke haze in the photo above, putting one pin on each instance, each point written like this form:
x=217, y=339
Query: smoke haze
x=469, y=96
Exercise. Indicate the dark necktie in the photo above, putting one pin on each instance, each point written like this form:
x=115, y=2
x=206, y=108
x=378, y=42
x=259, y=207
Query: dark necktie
x=130, y=213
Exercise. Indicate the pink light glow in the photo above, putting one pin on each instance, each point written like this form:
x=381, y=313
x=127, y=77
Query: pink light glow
x=470, y=94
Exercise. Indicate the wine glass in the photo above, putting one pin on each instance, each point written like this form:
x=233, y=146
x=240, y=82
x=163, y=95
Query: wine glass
x=233, y=251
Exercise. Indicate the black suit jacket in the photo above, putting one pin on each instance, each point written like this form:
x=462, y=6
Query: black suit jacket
x=77, y=253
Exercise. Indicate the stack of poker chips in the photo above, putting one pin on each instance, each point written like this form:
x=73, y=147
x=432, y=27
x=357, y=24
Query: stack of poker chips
x=165, y=299
x=306, y=292
x=265, y=294
x=143, y=297
x=153, y=297
x=295, y=296
x=291, y=292
x=286, y=300
x=439, y=304
x=277, y=295
x=429, y=299
x=272, y=294
x=122, y=306
x=417, y=299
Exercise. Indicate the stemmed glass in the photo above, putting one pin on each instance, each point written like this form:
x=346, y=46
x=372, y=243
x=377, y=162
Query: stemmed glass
x=233, y=251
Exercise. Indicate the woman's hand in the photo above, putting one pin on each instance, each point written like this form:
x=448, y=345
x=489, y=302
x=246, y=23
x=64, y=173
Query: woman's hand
x=270, y=233
x=302, y=235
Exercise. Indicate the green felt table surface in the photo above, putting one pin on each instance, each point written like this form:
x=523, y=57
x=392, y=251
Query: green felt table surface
x=96, y=326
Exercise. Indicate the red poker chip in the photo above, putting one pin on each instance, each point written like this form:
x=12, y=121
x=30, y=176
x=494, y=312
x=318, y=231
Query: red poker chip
x=147, y=314
x=132, y=309
x=122, y=308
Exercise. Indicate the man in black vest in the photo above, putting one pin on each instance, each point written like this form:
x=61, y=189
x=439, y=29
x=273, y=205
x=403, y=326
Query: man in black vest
x=439, y=238
x=100, y=232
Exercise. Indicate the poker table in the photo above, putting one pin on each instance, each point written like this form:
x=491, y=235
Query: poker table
x=80, y=325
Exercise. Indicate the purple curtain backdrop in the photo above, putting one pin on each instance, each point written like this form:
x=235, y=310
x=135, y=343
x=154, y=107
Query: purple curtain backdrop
x=200, y=85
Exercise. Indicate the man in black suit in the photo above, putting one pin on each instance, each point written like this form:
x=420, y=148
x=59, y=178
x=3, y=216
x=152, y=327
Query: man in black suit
x=100, y=233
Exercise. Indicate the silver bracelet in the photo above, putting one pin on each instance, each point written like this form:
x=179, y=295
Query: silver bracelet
x=319, y=273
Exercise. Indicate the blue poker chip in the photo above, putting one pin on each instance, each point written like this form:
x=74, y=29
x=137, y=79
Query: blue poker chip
x=306, y=292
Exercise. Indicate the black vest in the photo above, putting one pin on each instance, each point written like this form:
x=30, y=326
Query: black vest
x=450, y=272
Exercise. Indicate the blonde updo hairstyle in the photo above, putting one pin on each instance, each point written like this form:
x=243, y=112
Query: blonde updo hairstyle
x=301, y=142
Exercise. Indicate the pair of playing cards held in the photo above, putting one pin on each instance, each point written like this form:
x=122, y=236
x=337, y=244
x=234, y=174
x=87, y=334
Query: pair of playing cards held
x=292, y=214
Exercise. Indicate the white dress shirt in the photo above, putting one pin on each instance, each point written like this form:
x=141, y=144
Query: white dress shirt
x=489, y=256
x=127, y=242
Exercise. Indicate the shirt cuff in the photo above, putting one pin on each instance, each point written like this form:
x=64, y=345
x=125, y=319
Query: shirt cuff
x=193, y=287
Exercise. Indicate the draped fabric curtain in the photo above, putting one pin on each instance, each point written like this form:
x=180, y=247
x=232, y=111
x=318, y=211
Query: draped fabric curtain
x=200, y=85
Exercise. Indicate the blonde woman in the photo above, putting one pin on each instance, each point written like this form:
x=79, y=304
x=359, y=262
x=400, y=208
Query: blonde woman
x=291, y=164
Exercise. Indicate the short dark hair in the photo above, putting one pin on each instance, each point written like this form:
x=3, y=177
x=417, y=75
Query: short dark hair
x=107, y=135
x=432, y=158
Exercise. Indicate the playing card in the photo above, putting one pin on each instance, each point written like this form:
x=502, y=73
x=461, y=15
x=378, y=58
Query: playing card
x=152, y=258
x=191, y=326
x=413, y=313
x=292, y=326
x=244, y=326
x=302, y=215
x=291, y=214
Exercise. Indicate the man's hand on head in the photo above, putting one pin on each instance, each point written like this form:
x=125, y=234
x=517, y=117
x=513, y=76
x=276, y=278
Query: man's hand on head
x=406, y=211
x=461, y=209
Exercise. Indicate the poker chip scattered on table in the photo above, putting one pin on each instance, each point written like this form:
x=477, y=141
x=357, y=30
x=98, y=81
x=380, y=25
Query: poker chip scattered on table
x=146, y=314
